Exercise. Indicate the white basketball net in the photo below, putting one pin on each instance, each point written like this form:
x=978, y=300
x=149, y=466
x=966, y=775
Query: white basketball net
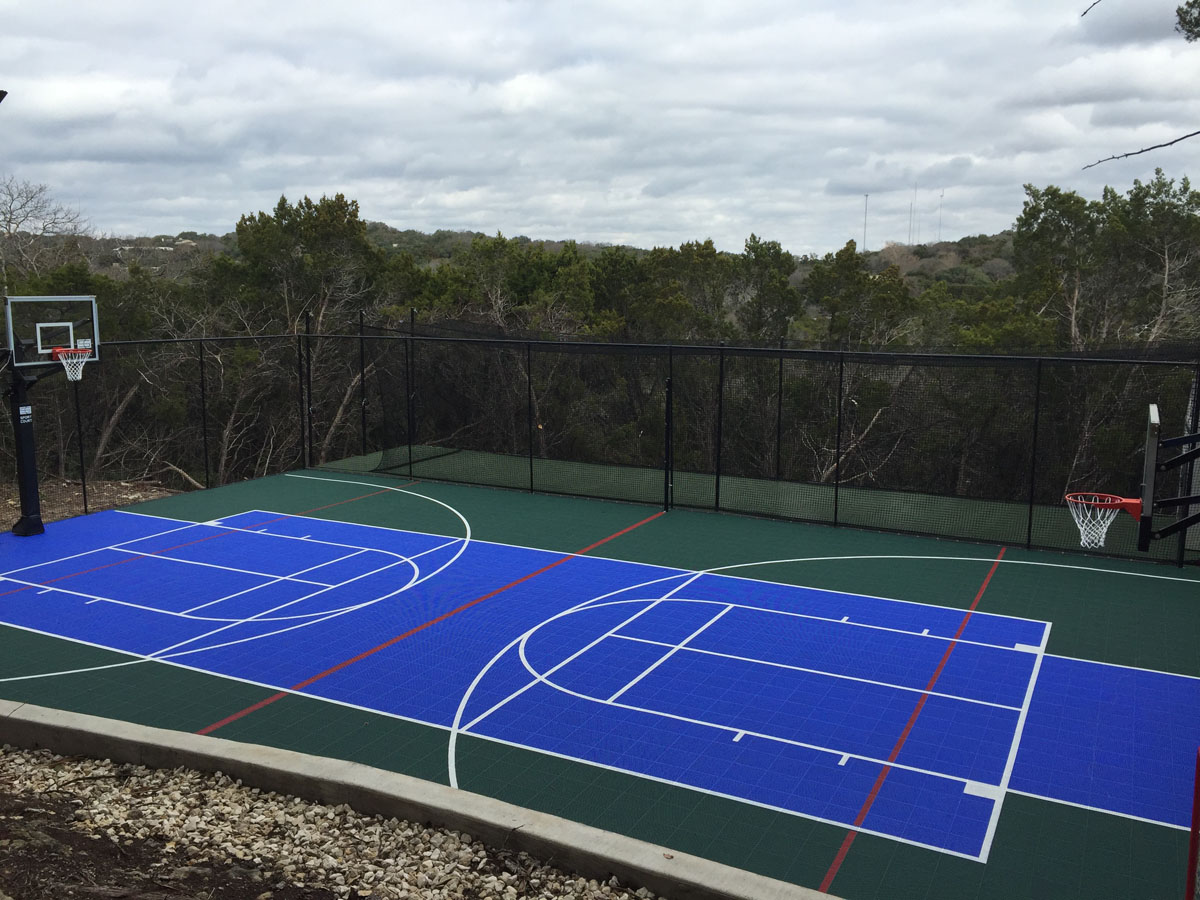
x=73, y=363
x=1093, y=515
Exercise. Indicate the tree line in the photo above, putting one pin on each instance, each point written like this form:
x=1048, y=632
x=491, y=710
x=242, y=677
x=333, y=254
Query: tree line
x=1072, y=276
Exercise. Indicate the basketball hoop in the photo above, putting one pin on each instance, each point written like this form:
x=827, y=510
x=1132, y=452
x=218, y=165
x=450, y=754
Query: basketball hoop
x=1093, y=513
x=73, y=360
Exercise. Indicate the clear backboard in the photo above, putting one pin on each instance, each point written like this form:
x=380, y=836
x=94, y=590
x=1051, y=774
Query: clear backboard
x=37, y=326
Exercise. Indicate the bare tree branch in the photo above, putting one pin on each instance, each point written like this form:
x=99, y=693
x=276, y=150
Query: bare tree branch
x=1143, y=150
x=1090, y=8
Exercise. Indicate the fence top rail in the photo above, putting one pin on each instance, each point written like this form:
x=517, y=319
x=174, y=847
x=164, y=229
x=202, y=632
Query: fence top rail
x=870, y=356
x=897, y=356
x=226, y=339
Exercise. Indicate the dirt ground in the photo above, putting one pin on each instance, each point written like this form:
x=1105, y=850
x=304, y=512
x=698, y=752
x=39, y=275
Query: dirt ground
x=64, y=499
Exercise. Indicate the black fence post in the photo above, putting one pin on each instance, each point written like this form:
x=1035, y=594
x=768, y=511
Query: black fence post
x=529, y=405
x=362, y=381
x=670, y=424
x=779, y=418
x=79, y=438
x=1033, y=449
x=668, y=450
x=837, y=453
x=410, y=390
x=308, y=379
x=203, y=411
x=720, y=423
x=300, y=395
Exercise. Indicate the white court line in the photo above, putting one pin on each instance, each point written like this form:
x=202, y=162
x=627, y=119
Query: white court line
x=279, y=578
x=578, y=653
x=463, y=542
x=1092, y=662
x=675, y=649
x=137, y=554
x=795, y=668
x=1096, y=809
x=308, y=596
x=456, y=724
x=118, y=547
x=1014, y=747
x=717, y=726
x=1019, y=648
x=692, y=787
x=225, y=529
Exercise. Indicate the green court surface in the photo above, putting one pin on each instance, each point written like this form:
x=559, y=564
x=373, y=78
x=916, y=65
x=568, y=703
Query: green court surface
x=1137, y=616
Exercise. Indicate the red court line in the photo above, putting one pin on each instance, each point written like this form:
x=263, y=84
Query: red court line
x=135, y=555
x=208, y=729
x=912, y=720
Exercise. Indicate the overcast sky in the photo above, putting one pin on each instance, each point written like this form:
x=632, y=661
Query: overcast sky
x=648, y=122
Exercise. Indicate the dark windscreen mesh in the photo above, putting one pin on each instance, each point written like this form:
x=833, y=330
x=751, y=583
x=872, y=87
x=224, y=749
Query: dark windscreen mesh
x=936, y=448
x=598, y=423
x=336, y=421
x=1091, y=437
x=145, y=420
x=809, y=436
x=470, y=412
x=971, y=447
x=779, y=443
x=695, y=379
x=386, y=370
x=253, y=408
x=143, y=415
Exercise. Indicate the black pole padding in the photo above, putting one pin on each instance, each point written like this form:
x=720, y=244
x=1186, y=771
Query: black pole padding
x=30, y=522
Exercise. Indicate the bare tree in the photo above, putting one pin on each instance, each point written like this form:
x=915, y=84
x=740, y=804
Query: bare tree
x=32, y=224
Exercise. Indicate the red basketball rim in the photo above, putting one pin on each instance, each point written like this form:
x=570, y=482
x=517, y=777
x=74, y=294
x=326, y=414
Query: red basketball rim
x=1131, y=505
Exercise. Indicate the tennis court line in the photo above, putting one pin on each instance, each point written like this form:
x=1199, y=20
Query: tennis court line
x=979, y=788
x=276, y=579
x=209, y=729
x=175, y=547
x=848, y=841
x=539, y=678
x=674, y=649
x=1009, y=764
x=795, y=668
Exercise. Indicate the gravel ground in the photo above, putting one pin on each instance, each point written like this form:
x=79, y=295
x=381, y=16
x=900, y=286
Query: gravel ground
x=73, y=827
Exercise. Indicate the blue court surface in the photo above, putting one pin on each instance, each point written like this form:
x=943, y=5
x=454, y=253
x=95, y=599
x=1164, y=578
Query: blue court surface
x=917, y=719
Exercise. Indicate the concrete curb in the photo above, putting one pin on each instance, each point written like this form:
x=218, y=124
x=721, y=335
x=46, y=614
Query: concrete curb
x=589, y=851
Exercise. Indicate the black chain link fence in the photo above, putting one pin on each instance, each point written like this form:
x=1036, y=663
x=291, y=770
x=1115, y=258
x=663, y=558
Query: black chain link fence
x=973, y=447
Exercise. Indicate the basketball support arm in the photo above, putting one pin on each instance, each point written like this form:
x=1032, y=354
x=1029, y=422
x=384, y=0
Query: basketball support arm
x=1172, y=502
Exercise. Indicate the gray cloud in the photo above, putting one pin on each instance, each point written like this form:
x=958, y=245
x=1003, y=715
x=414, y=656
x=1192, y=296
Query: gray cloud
x=622, y=121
